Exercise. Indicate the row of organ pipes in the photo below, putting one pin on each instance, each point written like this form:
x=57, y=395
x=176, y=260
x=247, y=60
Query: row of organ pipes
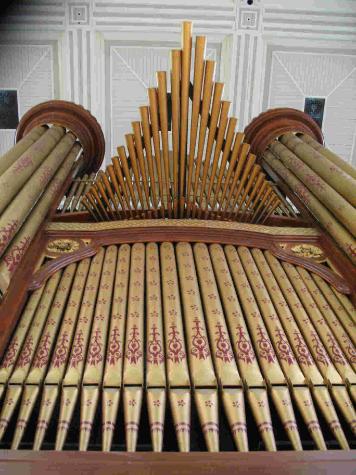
x=178, y=325
x=72, y=201
x=31, y=175
x=324, y=182
x=170, y=322
x=193, y=164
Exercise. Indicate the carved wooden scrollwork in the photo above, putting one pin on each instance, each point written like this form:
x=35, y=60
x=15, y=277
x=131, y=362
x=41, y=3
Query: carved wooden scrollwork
x=64, y=252
x=57, y=247
x=305, y=250
x=310, y=257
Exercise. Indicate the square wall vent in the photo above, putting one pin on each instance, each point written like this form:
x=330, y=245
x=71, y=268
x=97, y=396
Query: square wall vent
x=249, y=19
x=79, y=14
x=9, y=111
x=314, y=106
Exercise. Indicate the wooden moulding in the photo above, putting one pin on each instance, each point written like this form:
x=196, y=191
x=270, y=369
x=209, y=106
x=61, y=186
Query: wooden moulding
x=249, y=237
x=75, y=118
x=24, y=280
x=273, y=220
x=51, y=462
x=275, y=122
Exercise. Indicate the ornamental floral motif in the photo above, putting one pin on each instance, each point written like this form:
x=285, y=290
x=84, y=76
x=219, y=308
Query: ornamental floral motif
x=175, y=347
x=46, y=175
x=337, y=355
x=25, y=356
x=200, y=347
x=134, y=351
x=265, y=347
x=182, y=427
x=351, y=351
x=114, y=347
x=134, y=315
x=60, y=353
x=223, y=347
x=290, y=426
x=243, y=344
x=43, y=350
x=284, y=350
x=27, y=402
x=303, y=354
x=14, y=256
x=9, y=359
x=62, y=246
x=315, y=181
x=238, y=427
x=321, y=354
x=6, y=233
x=77, y=355
x=21, y=164
x=154, y=347
x=95, y=355
x=210, y=427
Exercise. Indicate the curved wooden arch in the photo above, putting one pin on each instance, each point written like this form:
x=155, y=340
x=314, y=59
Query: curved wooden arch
x=331, y=277
x=131, y=235
x=50, y=268
x=75, y=118
x=275, y=122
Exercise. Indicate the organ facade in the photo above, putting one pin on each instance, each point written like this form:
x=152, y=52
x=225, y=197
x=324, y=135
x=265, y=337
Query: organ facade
x=196, y=295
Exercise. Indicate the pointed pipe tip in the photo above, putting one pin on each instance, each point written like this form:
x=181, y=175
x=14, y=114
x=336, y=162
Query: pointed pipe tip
x=157, y=441
x=213, y=445
x=342, y=441
x=106, y=447
x=294, y=438
x=37, y=444
x=131, y=445
x=60, y=440
x=84, y=441
x=270, y=444
x=17, y=437
x=183, y=440
x=319, y=440
x=3, y=427
x=107, y=437
x=241, y=441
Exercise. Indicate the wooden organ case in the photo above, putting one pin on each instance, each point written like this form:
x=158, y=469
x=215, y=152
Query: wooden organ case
x=196, y=295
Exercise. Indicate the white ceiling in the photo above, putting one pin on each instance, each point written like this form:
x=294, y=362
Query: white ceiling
x=101, y=53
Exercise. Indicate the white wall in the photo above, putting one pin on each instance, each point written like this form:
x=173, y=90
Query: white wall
x=104, y=53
